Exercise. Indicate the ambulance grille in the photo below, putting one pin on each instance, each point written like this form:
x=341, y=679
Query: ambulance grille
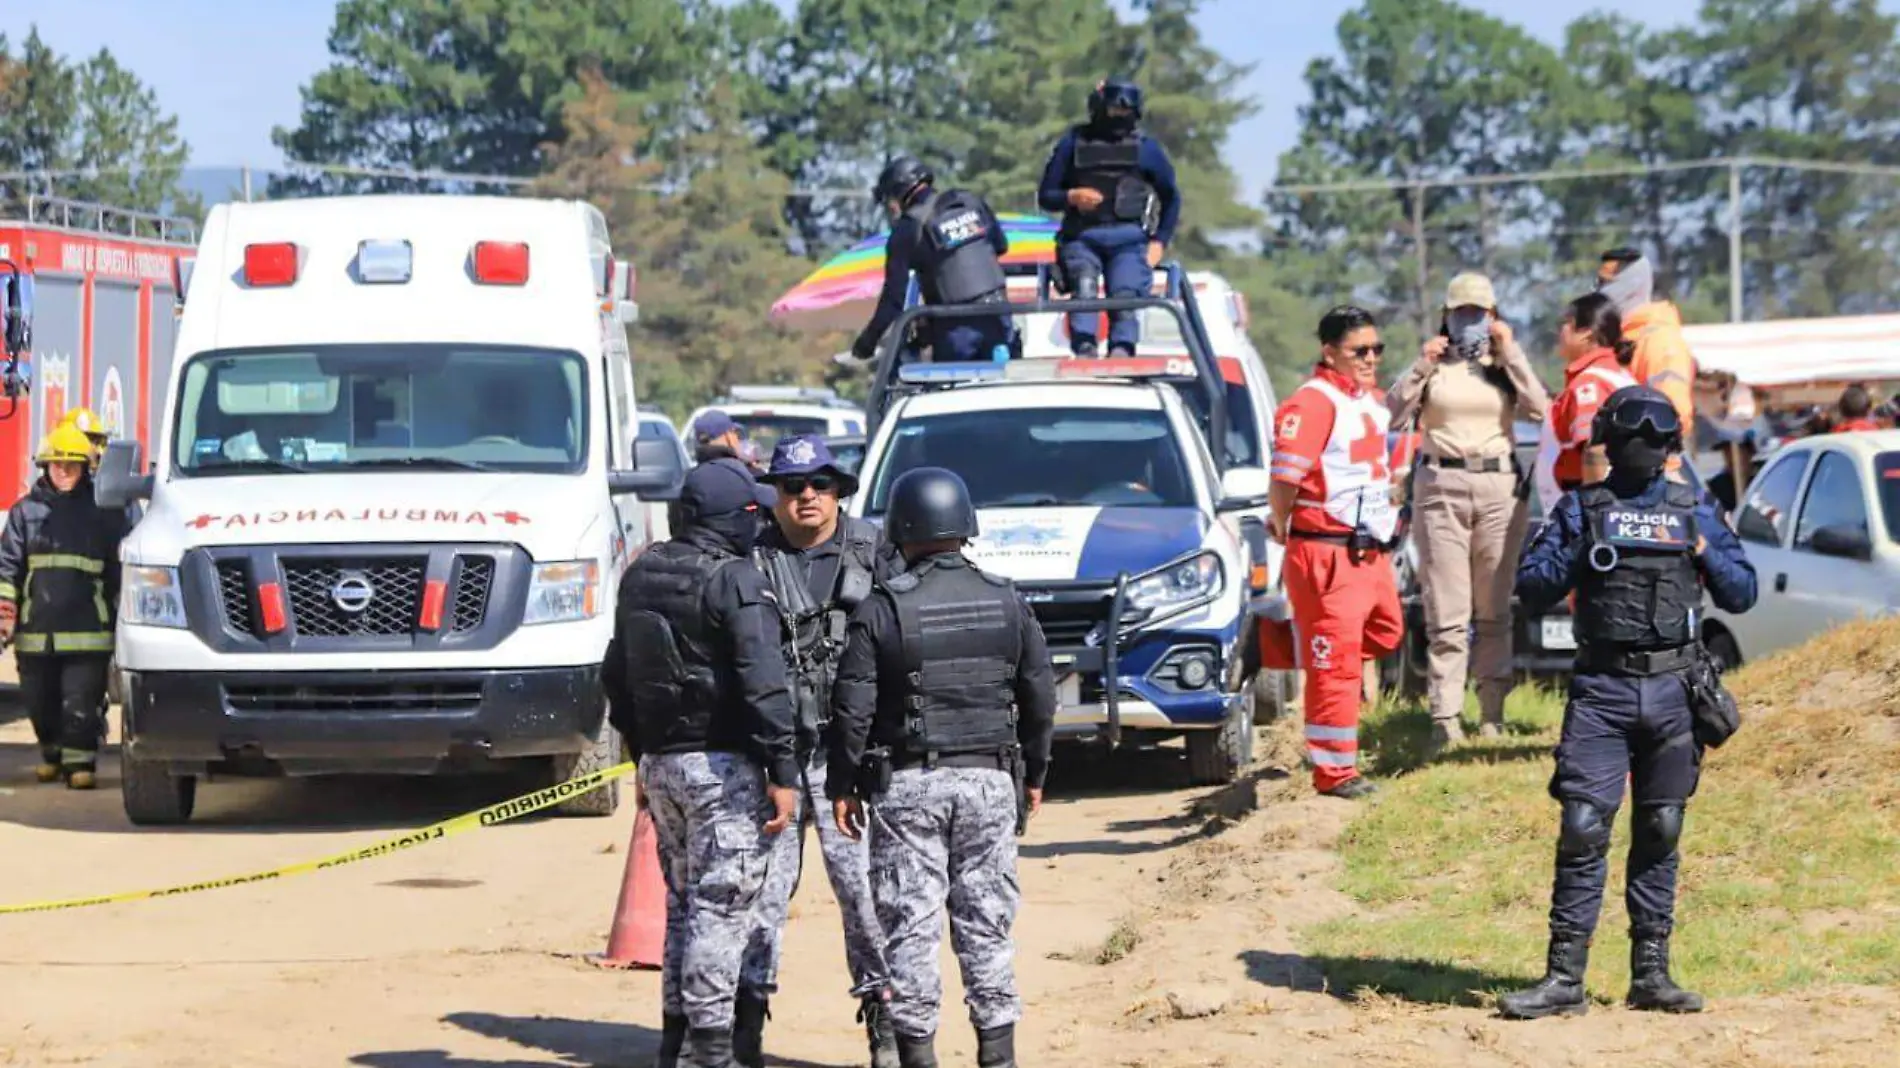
x=394, y=602
x=234, y=595
x=473, y=581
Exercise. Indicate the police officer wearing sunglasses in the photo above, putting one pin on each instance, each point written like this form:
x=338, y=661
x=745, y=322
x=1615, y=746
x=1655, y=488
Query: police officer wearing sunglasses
x=1638, y=549
x=821, y=565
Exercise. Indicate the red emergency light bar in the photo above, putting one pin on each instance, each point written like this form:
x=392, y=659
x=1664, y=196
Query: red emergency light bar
x=501, y=263
x=270, y=265
x=1127, y=367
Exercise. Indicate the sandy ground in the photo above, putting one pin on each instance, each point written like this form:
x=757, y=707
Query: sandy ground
x=468, y=953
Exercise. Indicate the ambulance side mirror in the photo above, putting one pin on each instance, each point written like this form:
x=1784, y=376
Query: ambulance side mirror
x=657, y=473
x=621, y=289
x=121, y=481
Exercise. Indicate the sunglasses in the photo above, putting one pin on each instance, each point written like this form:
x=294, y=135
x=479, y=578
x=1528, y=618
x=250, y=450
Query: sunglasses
x=1360, y=352
x=795, y=487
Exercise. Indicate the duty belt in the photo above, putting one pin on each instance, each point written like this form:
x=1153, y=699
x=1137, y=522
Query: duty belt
x=989, y=759
x=1486, y=466
x=1636, y=662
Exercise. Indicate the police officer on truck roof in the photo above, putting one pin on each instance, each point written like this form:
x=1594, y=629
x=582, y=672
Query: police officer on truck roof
x=1115, y=189
x=696, y=685
x=821, y=565
x=942, y=717
x=955, y=244
x=1638, y=548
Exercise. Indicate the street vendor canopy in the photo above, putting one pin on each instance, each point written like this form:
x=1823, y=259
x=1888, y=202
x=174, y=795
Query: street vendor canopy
x=1793, y=351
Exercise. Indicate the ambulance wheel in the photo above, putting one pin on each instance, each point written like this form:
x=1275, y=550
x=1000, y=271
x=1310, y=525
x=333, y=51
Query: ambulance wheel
x=153, y=796
x=603, y=754
x=1217, y=757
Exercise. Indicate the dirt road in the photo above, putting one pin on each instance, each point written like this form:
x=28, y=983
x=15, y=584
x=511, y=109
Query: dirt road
x=466, y=953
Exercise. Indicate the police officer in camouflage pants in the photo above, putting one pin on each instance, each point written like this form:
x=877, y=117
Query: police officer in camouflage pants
x=942, y=716
x=697, y=686
x=821, y=565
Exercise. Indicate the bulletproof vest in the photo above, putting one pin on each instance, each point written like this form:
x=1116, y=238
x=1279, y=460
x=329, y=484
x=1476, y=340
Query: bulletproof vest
x=1639, y=587
x=1112, y=167
x=814, y=627
x=669, y=645
x=961, y=640
x=963, y=264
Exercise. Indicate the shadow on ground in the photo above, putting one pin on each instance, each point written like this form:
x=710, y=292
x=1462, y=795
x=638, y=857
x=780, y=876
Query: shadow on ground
x=566, y=1044
x=1409, y=979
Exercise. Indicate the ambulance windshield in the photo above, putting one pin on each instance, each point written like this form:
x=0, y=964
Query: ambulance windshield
x=451, y=407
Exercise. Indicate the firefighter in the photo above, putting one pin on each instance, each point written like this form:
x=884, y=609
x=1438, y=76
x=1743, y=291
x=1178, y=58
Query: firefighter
x=59, y=592
x=1332, y=507
x=87, y=422
x=1638, y=549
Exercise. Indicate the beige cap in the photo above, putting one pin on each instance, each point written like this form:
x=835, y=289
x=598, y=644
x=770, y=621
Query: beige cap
x=1470, y=288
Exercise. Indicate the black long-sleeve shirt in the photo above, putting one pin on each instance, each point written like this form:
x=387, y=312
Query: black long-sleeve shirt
x=903, y=252
x=871, y=688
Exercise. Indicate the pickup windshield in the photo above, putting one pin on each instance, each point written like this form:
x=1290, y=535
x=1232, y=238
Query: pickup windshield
x=1045, y=457
x=765, y=429
x=382, y=408
x=1887, y=485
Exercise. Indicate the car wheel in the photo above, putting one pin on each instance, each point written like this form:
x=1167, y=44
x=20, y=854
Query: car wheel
x=153, y=796
x=1272, y=695
x=1722, y=646
x=603, y=754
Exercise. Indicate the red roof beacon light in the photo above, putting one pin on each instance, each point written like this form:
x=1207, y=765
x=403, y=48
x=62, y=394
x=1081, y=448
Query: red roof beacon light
x=501, y=263
x=270, y=265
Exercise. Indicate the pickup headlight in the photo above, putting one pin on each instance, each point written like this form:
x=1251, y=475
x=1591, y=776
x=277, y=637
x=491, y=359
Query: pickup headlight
x=564, y=591
x=150, y=597
x=1179, y=586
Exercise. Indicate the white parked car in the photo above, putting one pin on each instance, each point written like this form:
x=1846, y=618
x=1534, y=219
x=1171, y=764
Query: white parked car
x=768, y=413
x=1821, y=524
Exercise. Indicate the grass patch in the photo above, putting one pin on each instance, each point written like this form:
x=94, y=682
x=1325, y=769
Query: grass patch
x=1789, y=852
x=1119, y=943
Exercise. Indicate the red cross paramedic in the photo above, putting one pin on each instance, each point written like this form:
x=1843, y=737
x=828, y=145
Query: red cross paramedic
x=1332, y=508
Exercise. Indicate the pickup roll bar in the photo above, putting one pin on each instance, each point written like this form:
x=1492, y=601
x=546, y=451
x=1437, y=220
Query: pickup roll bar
x=1209, y=389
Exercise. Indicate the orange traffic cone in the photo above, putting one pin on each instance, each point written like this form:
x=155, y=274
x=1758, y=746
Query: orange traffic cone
x=639, y=934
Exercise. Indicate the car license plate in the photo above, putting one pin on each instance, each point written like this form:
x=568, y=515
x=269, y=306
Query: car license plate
x=1557, y=633
x=1069, y=691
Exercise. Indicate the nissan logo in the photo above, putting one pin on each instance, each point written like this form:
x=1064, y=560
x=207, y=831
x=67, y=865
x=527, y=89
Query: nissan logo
x=352, y=592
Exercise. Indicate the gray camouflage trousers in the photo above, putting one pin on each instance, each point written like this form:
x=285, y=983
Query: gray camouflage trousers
x=709, y=812
x=947, y=837
x=847, y=863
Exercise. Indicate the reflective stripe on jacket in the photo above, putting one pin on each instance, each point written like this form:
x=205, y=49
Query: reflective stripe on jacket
x=59, y=564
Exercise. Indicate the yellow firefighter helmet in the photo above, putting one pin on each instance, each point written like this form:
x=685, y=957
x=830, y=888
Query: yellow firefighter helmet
x=64, y=444
x=86, y=421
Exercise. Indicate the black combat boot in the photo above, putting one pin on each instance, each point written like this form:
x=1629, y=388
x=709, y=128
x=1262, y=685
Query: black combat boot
x=710, y=1047
x=875, y=1014
x=672, y=1040
x=1651, y=989
x=917, y=1052
x=996, y=1047
x=1561, y=992
x=749, y=1014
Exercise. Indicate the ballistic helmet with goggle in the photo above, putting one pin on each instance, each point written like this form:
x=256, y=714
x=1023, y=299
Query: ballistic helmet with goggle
x=1637, y=411
x=899, y=177
x=1114, y=93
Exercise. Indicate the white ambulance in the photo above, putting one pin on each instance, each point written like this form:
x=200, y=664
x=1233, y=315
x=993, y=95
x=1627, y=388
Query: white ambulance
x=398, y=477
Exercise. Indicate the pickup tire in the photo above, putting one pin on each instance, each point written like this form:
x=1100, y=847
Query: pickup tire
x=153, y=796
x=1217, y=757
x=603, y=754
x=1272, y=695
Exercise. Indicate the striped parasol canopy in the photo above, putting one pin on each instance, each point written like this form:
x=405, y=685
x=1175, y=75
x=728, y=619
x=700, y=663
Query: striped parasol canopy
x=841, y=293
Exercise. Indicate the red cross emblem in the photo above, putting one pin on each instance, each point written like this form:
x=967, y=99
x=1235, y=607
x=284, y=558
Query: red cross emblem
x=511, y=518
x=201, y=522
x=1370, y=448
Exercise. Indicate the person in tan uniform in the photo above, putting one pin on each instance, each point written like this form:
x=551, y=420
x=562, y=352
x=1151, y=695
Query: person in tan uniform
x=1468, y=387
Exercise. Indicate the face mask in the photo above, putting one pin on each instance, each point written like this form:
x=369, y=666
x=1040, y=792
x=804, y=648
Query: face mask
x=1636, y=456
x=1470, y=332
x=1633, y=287
x=739, y=529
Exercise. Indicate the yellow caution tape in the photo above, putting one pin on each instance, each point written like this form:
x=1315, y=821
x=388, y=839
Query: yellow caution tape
x=468, y=821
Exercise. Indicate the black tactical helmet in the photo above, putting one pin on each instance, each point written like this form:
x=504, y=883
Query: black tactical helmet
x=929, y=504
x=899, y=177
x=1637, y=411
x=1114, y=92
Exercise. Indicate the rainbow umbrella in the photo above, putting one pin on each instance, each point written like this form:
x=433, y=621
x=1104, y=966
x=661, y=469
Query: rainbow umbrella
x=841, y=293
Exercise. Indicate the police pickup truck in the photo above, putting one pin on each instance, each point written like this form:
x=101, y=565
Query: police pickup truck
x=1098, y=493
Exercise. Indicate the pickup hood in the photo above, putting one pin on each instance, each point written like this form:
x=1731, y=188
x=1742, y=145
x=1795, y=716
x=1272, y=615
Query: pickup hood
x=548, y=515
x=1064, y=544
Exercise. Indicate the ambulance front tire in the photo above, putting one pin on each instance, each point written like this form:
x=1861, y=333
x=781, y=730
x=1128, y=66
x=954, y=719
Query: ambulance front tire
x=1217, y=757
x=604, y=753
x=153, y=796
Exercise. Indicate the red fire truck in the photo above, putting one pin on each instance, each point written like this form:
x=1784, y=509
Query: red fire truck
x=102, y=317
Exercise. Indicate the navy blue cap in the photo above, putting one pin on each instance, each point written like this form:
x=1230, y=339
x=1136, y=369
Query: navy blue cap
x=720, y=487
x=807, y=454
x=713, y=424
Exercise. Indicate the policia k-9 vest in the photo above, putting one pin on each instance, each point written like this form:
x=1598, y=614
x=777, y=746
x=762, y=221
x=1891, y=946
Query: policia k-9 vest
x=669, y=649
x=1112, y=167
x=814, y=630
x=961, y=636
x=1639, y=590
x=956, y=231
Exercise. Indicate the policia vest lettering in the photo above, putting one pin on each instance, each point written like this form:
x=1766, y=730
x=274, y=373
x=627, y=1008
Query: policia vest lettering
x=1639, y=589
x=1111, y=167
x=965, y=267
x=669, y=646
x=814, y=632
x=962, y=640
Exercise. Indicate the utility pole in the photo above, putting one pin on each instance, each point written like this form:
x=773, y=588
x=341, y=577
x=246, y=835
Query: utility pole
x=1424, y=258
x=1734, y=242
x=244, y=176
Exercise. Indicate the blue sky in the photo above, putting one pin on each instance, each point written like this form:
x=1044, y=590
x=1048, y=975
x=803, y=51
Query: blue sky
x=231, y=69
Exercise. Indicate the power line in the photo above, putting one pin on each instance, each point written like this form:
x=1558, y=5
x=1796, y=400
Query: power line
x=1634, y=170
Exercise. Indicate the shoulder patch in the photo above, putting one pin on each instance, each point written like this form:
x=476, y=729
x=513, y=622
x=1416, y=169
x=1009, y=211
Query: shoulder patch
x=1290, y=425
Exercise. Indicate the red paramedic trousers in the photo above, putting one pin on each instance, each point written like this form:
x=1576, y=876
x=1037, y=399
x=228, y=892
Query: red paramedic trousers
x=1345, y=612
